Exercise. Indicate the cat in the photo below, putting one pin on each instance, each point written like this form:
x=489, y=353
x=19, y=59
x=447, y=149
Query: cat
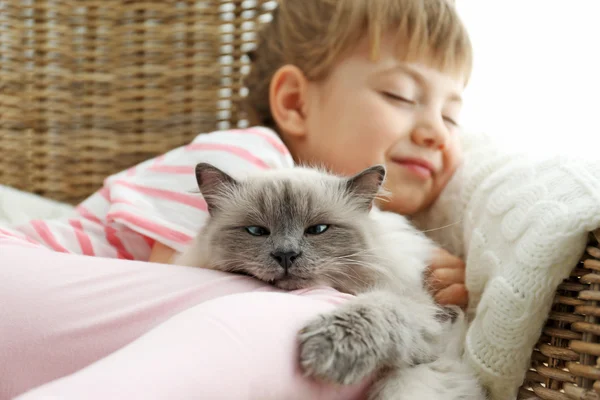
x=301, y=227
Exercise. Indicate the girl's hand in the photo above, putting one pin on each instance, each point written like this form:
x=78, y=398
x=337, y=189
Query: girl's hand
x=446, y=279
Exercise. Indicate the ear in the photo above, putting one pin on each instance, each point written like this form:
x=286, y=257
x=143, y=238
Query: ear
x=287, y=98
x=365, y=185
x=213, y=184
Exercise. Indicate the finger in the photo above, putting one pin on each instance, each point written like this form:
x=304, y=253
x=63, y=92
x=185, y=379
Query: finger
x=444, y=277
x=443, y=259
x=456, y=294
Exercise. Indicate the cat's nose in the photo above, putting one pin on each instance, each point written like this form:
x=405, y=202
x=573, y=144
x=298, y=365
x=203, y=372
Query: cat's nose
x=285, y=258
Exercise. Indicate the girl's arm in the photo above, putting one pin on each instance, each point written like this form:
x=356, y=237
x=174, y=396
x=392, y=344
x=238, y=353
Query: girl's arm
x=159, y=198
x=161, y=254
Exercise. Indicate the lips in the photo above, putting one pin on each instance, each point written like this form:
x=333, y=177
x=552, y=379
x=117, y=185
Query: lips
x=418, y=166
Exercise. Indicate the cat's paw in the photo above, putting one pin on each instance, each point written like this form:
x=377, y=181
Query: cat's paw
x=336, y=347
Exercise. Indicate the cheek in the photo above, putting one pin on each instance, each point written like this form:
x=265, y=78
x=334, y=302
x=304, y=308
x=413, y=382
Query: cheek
x=365, y=132
x=338, y=242
x=240, y=246
x=453, y=155
x=452, y=159
x=380, y=124
x=372, y=118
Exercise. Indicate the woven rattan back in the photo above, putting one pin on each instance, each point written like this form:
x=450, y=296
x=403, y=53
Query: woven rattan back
x=91, y=87
x=566, y=361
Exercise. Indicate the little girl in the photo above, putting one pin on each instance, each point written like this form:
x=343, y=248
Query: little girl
x=345, y=84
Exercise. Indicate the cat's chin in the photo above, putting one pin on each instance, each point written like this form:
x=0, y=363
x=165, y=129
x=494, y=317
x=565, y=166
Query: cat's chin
x=292, y=283
x=285, y=283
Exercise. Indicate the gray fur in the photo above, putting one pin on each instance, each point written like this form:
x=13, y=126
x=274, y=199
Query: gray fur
x=287, y=204
x=392, y=328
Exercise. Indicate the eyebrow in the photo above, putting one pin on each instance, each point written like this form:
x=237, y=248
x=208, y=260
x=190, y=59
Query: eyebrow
x=417, y=76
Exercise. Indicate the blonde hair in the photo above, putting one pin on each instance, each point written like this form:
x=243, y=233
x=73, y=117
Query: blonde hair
x=314, y=35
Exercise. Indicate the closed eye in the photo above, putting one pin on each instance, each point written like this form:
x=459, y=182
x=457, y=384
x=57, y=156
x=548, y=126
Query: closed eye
x=257, y=230
x=316, y=229
x=395, y=97
x=451, y=121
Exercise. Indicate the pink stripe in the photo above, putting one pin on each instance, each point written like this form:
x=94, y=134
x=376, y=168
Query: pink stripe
x=85, y=213
x=104, y=192
x=280, y=147
x=152, y=227
x=9, y=234
x=238, y=151
x=47, y=236
x=123, y=201
x=109, y=232
x=190, y=200
x=149, y=241
x=159, y=160
x=131, y=171
x=174, y=169
x=115, y=241
x=13, y=241
x=83, y=238
x=22, y=237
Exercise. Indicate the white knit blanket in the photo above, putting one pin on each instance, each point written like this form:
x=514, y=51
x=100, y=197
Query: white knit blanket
x=521, y=226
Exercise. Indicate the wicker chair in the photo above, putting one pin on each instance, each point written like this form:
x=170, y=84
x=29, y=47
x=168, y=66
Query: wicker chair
x=91, y=87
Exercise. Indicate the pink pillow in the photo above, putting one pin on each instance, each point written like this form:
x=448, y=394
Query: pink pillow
x=193, y=333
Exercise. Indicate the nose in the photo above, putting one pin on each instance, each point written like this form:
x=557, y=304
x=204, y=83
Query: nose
x=285, y=258
x=432, y=135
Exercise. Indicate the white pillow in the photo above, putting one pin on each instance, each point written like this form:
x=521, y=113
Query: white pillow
x=17, y=207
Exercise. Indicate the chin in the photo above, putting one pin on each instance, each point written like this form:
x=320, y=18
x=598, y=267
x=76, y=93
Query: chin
x=285, y=282
x=293, y=283
x=402, y=205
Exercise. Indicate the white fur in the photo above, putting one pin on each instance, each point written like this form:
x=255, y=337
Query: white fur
x=449, y=377
x=402, y=255
x=408, y=250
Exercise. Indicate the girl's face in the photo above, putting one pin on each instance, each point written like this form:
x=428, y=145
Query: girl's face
x=402, y=115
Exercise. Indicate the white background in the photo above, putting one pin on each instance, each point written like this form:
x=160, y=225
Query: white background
x=536, y=78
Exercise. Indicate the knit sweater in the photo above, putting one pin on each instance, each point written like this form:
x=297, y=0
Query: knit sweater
x=521, y=225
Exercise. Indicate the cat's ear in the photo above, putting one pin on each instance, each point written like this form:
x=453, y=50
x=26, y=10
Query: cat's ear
x=213, y=184
x=365, y=185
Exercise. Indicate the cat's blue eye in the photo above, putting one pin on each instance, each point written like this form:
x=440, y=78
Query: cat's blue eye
x=317, y=229
x=257, y=230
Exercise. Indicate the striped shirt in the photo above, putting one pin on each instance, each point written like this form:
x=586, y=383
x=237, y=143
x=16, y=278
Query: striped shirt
x=155, y=201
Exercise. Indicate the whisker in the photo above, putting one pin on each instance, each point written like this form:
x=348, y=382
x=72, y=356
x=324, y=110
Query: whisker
x=366, y=256
x=442, y=227
x=335, y=281
x=349, y=274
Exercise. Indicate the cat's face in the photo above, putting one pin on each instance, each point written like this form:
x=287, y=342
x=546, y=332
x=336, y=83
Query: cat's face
x=294, y=228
